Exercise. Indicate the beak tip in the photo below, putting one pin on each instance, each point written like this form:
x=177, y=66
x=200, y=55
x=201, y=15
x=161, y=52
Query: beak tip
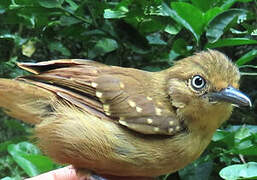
x=250, y=103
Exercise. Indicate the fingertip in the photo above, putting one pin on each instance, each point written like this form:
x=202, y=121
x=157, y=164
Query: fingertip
x=66, y=173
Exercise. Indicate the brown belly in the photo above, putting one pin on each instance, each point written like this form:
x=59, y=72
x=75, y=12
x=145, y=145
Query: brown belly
x=107, y=148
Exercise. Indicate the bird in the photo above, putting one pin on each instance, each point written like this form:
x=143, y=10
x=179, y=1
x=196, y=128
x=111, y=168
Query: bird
x=125, y=122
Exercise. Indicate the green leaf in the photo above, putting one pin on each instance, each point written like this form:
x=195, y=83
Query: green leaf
x=199, y=169
x=224, y=137
x=112, y=14
x=4, y=145
x=103, y=46
x=73, y=5
x=252, y=128
x=203, y=4
x=172, y=29
x=247, y=57
x=180, y=47
x=30, y=19
x=68, y=20
x=230, y=42
x=120, y=10
x=58, y=46
x=155, y=39
x=29, y=158
x=245, y=147
x=4, y=6
x=234, y=31
x=220, y=135
x=8, y=178
x=227, y=4
x=107, y=45
x=242, y=133
x=194, y=22
x=211, y=13
x=151, y=25
x=217, y=26
x=245, y=1
x=240, y=171
x=17, y=39
x=50, y=3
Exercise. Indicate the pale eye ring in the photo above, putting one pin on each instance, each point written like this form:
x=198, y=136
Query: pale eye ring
x=198, y=82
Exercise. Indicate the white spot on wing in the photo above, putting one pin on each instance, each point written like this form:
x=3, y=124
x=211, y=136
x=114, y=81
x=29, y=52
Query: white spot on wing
x=108, y=113
x=159, y=103
x=122, y=86
x=158, y=111
x=149, y=98
x=170, y=130
x=124, y=123
x=149, y=121
x=99, y=94
x=156, y=129
x=93, y=84
x=139, y=109
x=131, y=103
x=171, y=123
x=106, y=107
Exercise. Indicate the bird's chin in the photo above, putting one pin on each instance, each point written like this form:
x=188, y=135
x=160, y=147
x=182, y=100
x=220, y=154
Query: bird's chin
x=218, y=103
x=225, y=105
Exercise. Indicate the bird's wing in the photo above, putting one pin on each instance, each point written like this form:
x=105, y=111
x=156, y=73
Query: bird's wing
x=108, y=92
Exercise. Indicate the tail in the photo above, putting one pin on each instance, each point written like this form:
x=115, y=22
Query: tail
x=33, y=98
x=25, y=101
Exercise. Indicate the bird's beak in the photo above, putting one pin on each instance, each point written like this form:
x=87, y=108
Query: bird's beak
x=230, y=95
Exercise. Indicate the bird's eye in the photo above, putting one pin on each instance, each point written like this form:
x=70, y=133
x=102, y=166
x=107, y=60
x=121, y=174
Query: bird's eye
x=198, y=82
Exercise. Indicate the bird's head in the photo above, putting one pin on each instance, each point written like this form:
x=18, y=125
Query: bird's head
x=204, y=88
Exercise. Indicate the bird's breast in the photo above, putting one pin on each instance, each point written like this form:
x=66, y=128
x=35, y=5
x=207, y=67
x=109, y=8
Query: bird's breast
x=108, y=148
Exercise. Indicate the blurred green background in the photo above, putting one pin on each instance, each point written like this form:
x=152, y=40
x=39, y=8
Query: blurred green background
x=144, y=34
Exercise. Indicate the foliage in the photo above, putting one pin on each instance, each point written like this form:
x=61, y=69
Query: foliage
x=146, y=34
x=232, y=145
x=242, y=171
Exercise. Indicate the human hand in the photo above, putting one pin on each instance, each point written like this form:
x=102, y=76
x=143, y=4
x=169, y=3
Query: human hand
x=66, y=173
x=69, y=173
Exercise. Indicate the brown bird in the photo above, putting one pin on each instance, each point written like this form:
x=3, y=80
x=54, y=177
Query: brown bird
x=123, y=121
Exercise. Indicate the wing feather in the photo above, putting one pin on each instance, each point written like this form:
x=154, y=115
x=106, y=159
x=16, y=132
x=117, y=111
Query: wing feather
x=120, y=94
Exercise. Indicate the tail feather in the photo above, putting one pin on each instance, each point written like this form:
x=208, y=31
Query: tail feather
x=25, y=101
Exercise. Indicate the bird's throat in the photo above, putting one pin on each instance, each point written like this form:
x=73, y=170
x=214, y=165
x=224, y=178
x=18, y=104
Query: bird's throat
x=204, y=121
